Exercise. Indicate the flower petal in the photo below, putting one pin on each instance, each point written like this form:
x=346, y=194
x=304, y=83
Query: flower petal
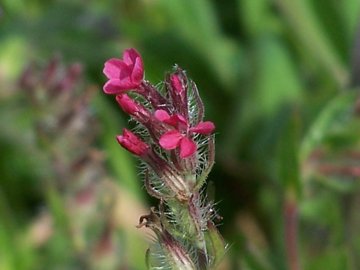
x=177, y=121
x=187, y=147
x=204, y=128
x=130, y=56
x=137, y=73
x=161, y=115
x=176, y=83
x=127, y=104
x=117, y=86
x=113, y=68
x=170, y=140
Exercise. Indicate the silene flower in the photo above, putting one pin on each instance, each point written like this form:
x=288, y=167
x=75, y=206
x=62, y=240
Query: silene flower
x=181, y=134
x=124, y=74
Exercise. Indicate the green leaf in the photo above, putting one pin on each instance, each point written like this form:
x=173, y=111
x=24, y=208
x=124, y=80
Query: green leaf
x=257, y=16
x=340, y=184
x=215, y=245
x=350, y=11
x=277, y=82
x=340, y=108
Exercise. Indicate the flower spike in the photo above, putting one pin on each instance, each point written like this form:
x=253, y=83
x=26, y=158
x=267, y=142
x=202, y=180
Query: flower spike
x=177, y=147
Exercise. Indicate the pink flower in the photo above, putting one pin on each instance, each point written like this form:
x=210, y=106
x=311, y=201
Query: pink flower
x=180, y=136
x=132, y=143
x=176, y=120
x=124, y=74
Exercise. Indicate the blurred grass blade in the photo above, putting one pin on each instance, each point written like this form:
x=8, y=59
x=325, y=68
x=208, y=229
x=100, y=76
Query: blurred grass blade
x=276, y=84
x=351, y=15
x=355, y=59
x=340, y=108
x=257, y=16
x=308, y=32
x=288, y=155
x=121, y=161
x=206, y=38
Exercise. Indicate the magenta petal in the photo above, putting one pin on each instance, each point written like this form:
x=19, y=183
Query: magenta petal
x=138, y=71
x=130, y=56
x=117, y=86
x=203, y=128
x=112, y=87
x=161, y=115
x=176, y=83
x=127, y=104
x=113, y=68
x=187, y=147
x=170, y=140
x=177, y=121
x=180, y=120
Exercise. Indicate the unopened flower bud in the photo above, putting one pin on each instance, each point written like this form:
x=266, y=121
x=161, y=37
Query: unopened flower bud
x=177, y=87
x=132, y=143
x=132, y=108
x=204, y=128
x=176, y=84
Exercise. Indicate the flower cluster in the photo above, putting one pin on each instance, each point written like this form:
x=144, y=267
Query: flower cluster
x=173, y=117
x=177, y=146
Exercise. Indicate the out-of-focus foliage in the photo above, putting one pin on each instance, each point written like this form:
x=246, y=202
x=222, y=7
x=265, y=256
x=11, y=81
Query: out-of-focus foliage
x=280, y=80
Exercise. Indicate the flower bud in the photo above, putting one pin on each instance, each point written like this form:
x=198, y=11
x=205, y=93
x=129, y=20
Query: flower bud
x=136, y=110
x=204, y=128
x=132, y=143
x=177, y=87
x=176, y=83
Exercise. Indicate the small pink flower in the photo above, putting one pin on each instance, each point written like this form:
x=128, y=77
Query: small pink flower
x=132, y=143
x=180, y=136
x=176, y=120
x=124, y=74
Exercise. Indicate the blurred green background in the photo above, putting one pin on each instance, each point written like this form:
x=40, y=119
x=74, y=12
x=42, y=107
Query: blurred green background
x=279, y=79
